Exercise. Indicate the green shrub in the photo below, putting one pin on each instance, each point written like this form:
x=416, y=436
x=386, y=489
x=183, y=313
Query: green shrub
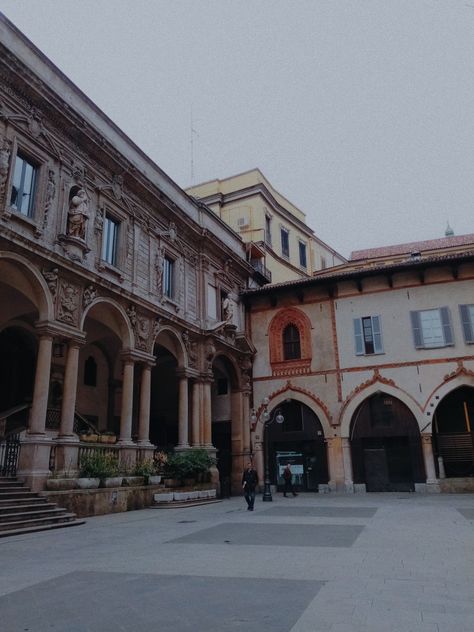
x=99, y=465
x=188, y=464
x=147, y=467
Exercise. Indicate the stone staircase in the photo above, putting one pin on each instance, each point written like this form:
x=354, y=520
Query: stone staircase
x=23, y=511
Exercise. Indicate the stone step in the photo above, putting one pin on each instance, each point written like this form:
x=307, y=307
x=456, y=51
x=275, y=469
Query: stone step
x=8, y=509
x=5, y=502
x=37, y=522
x=50, y=512
x=10, y=483
x=46, y=527
x=19, y=493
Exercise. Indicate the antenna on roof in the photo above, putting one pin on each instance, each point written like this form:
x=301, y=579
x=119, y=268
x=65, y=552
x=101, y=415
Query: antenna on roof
x=449, y=232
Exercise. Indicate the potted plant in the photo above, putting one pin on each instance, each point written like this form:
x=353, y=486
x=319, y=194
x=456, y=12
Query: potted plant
x=101, y=467
x=108, y=437
x=148, y=469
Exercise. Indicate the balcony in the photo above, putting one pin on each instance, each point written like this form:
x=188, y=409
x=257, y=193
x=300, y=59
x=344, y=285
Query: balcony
x=264, y=273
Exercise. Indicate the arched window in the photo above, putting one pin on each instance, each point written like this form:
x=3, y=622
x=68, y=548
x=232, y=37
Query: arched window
x=291, y=343
x=90, y=372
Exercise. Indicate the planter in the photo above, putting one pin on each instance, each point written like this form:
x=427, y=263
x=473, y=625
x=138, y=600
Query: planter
x=133, y=481
x=172, y=482
x=89, y=438
x=107, y=439
x=61, y=484
x=154, y=480
x=112, y=481
x=88, y=483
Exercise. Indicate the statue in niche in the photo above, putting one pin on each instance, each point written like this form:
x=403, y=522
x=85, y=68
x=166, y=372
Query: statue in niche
x=78, y=215
x=50, y=195
x=227, y=310
x=159, y=260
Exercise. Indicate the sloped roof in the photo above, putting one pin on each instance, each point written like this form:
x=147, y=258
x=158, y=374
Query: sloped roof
x=413, y=246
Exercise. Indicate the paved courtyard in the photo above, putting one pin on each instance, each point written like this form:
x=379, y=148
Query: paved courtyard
x=332, y=563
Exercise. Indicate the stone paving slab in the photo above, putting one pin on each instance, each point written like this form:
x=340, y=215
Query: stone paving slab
x=467, y=512
x=321, y=512
x=334, y=535
x=103, y=602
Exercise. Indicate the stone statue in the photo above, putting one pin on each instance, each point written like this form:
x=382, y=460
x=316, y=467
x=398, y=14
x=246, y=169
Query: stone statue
x=78, y=215
x=50, y=195
x=227, y=310
x=4, y=162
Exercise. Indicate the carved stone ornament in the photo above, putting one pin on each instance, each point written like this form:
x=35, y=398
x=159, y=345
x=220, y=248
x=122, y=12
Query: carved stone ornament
x=79, y=173
x=210, y=353
x=159, y=260
x=78, y=215
x=141, y=328
x=51, y=277
x=228, y=309
x=50, y=195
x=117, y=186
x=68, y=303
x=90, y=293
x=191, y=348
x=5, y=151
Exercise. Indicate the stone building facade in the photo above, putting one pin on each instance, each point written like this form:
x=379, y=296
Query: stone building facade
x=120, y=296
x=372, y=368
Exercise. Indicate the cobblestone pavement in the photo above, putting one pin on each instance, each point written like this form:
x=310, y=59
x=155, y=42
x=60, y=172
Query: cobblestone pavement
x=315, y=563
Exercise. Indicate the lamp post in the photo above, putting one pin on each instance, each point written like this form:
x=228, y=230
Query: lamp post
x=268, y=419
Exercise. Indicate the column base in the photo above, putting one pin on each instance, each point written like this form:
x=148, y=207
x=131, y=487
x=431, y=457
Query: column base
x=33, y=465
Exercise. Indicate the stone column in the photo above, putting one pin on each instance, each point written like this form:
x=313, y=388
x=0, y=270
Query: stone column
x=144, y=415
x=246, y=422
x=428, y=458
x=183, y=413
x=33, y=462
x=70, y=390
x=67, y=448
x=127, y=403
x=37, y=420
x=330, y=442
x=347, y=462
x=196, y=414
x=207, y=413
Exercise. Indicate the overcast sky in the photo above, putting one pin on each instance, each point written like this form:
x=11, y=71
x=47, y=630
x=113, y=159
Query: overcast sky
x=361, y=112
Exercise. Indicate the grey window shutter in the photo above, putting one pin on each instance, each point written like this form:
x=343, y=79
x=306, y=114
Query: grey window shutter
x=447, y=329
x=377, y=333
x=467, y=324
x=416, y=328
x=359, y=342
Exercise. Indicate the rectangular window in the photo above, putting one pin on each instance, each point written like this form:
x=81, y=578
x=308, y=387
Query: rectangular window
x=368, y=335
x=302, y=250
x=432, y=328
x=323, y=263
x=168, y=277
x=285, y=242
x=110, y=240
x=23, y=186
x=268, y=230
x=467, y=319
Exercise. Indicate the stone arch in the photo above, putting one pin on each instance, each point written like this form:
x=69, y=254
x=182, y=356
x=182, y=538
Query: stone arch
x=170, y=339
x=232, y=368
x=285, y=317
x=298, y=394
x=18, y=272
x=113, y=315
x=459, y=378
x=353, y=401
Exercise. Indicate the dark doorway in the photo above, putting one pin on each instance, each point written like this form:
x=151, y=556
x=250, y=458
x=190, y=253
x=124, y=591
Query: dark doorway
x=453, y=435
x=17, y=367
x=300, y=441
x=164, y=400
x=386, y=446
x=222, y=441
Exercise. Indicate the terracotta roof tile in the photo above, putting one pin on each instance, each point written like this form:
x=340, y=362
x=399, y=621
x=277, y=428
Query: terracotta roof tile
x=414, y=246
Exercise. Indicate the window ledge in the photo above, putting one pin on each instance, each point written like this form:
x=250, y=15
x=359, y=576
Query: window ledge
x=108, y=267
x=369, y=355
x=301, y=366
x=12, y=213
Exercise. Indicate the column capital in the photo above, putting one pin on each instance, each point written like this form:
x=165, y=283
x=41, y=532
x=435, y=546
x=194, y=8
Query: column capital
x=49, y=329
x=137, y=357
x=183, y=373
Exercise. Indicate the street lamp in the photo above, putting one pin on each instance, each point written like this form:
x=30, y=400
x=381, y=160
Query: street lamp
x=268, y=419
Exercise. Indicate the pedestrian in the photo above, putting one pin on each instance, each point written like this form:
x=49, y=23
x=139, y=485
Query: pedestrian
x=249, y=483
x=288, y=478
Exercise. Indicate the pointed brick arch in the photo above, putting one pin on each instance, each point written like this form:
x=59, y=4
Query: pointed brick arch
x=285, y=317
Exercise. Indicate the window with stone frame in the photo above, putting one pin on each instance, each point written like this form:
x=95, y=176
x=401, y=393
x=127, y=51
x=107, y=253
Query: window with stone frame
x=23, y=185
x=291, y=343
x=110, y=240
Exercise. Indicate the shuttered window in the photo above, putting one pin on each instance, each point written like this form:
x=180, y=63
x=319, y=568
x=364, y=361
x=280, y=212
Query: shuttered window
x=432, y=328
x=368, y=335
x=467, y=320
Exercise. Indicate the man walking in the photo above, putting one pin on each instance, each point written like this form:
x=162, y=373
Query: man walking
x=288, y=478
x=249, y=483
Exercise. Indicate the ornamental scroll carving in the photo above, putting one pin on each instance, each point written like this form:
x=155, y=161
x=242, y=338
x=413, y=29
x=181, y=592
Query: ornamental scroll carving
x=5, y=152
x=68, y=303
x=141, y=328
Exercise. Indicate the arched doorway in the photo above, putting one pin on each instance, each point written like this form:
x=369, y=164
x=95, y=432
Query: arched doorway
x=164, y=406
x=453, y=433
x=386, y=445
x=300, y=441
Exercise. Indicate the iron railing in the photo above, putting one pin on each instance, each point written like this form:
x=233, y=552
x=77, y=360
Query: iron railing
x=9, y=455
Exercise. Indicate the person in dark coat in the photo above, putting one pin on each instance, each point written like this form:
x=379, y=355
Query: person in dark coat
x=288, y=478
x=249, y=483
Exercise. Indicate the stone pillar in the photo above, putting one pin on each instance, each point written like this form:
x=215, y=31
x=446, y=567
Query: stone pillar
x=428, y=458
x=246, y=422
x=144, y=415
x=127, y=403
x=183, y=412
x=67, y=448
x=196, y=414
x=258, y=462
x=207, y=414
x=347, y=462
x=37, y=420
x=33, y=462
x=331, y=455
